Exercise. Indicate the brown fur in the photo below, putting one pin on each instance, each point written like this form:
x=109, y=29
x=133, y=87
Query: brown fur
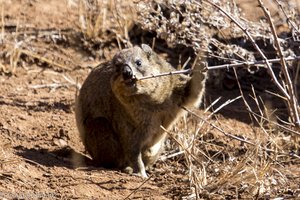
x=119, y=120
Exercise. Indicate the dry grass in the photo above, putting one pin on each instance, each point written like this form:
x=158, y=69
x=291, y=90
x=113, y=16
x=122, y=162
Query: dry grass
x=106, y=20
x=99, y=23
x=252, y=164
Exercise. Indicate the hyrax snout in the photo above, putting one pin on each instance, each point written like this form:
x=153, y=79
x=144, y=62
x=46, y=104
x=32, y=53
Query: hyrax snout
x=119, y=116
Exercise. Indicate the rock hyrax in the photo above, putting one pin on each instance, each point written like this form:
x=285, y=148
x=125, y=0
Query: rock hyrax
x=119, y=116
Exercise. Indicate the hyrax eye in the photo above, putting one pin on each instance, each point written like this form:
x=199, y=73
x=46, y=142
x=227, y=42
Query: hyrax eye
x=138, y=63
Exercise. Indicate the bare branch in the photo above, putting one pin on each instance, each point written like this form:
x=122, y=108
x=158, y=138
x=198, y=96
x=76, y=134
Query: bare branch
x=51, y=86
x=292, y=100
x=139, y=187
x=186, y=71
x=245, y=30
x=184, y=149
x=219, y=129
x=229, y=101
x=230, y=135
x=241, y=64
x=275, y=123
x=288, y=19
x=186, y=63
x=165, y=157
x=46, y=60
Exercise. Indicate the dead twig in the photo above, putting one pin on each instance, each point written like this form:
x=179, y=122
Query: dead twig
x=230, y=135
x=33, y=55
x=289, y=94
x=293, y=104
x=229, y=101
x=288, y=19
x=186, y=71
x=245, y=30
x=186, y=63
x=218, y=128
x=250, y=63
x=135, y=190
x=275, y=123
x=72, y=81
x=184, y=148
x=242, y=94
x=51, y=85
x=165, y=157
x=227, y=66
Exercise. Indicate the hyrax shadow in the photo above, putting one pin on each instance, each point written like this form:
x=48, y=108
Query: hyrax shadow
x=119, y=116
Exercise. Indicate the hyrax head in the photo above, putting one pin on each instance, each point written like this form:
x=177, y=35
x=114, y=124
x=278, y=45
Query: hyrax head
x=132, y=64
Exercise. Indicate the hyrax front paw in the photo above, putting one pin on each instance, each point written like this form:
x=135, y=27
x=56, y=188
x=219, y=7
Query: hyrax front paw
x=129, y=170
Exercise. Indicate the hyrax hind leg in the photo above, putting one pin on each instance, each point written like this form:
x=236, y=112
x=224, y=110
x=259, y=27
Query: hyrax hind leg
x=102, y=143
x=151, y=154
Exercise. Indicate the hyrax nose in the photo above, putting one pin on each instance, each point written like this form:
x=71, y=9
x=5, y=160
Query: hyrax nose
x=127, y=72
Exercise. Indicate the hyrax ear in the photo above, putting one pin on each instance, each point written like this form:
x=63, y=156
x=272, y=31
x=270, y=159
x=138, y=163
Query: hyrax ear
x=147, y=49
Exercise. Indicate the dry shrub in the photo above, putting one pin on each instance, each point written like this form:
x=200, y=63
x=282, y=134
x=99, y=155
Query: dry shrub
x=192, y=24
x=223, y=163
x=253, y=165
x=216, y=27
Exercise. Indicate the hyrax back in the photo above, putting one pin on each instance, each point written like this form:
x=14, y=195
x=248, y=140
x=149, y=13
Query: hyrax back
x=119, y=116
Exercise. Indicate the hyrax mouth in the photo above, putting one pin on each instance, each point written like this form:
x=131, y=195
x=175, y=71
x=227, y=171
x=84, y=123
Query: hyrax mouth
x=128, y=76
x=130, y=82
